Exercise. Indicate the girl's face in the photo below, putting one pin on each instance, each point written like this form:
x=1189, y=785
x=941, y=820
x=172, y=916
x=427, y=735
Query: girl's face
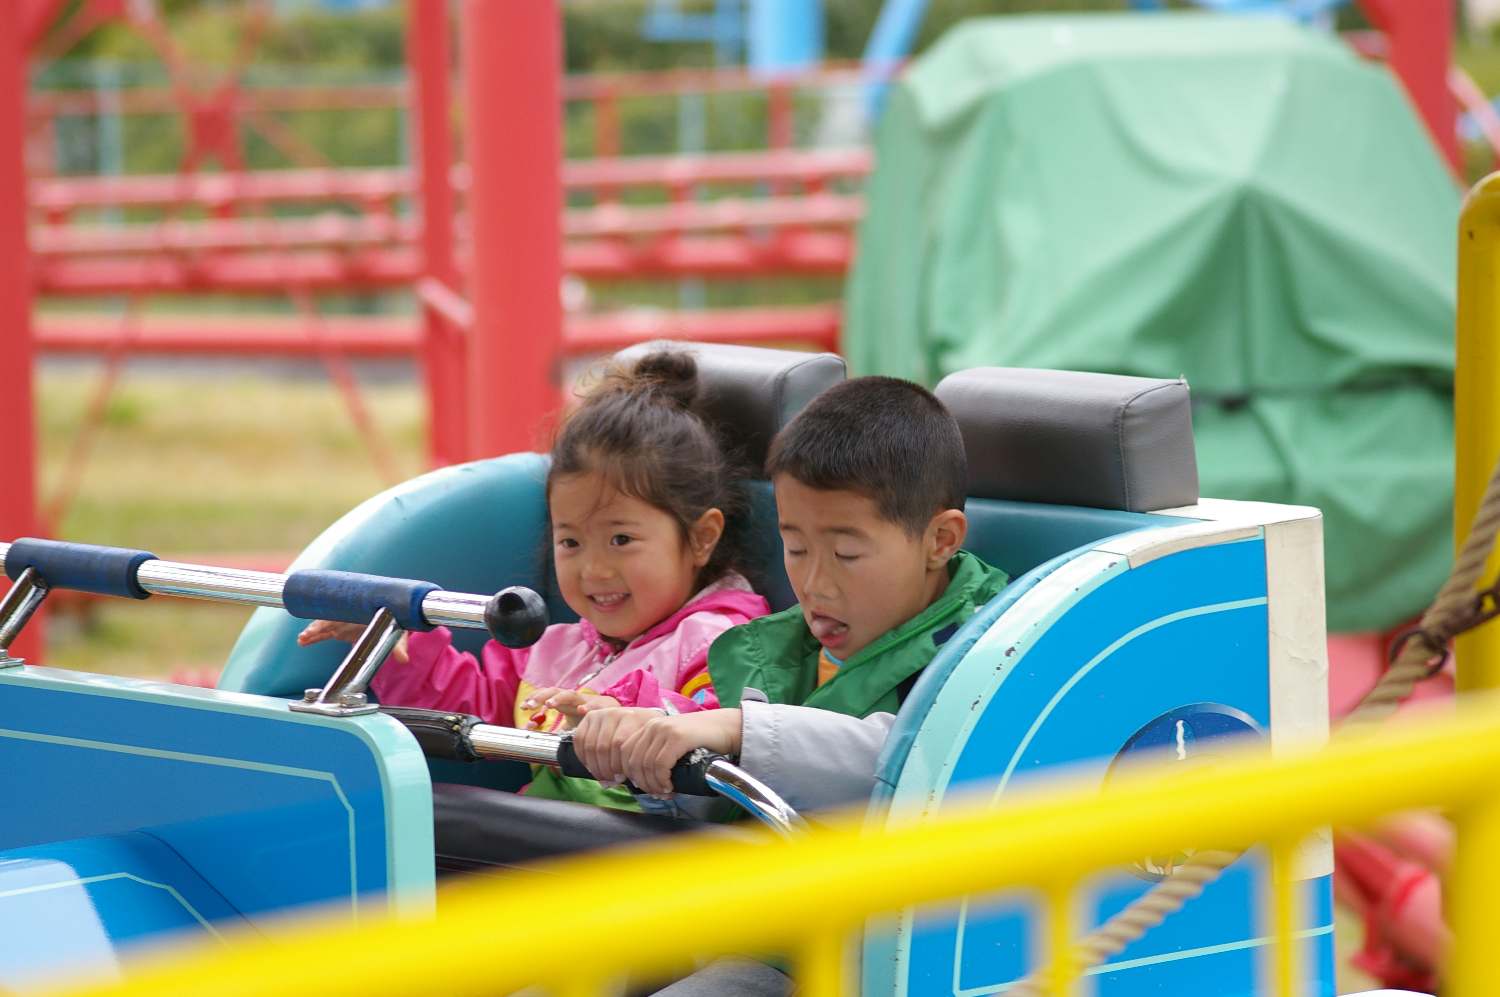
x=622, y=563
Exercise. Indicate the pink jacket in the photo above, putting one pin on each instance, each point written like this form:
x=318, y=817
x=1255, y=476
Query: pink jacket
x=669, y=660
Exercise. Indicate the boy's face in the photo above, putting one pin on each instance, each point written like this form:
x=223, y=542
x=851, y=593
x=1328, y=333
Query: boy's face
x=856, y=573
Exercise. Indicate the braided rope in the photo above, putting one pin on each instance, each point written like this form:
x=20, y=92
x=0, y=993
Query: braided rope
x=1152, y=908
x=1452, y=612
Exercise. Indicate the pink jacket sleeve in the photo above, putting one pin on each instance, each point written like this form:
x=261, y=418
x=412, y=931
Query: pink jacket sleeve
x=678, y=673
x=694, y=692
x=438, y=676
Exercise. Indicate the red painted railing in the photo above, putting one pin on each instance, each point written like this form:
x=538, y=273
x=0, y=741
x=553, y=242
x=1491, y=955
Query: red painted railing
x=313, y=229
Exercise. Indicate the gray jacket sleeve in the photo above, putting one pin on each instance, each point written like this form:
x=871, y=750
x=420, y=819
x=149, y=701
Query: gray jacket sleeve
x=814, y=758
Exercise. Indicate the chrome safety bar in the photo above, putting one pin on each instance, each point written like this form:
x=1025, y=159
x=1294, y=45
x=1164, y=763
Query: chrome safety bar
x=264, y=588
x=512, y=744
x=344, y=695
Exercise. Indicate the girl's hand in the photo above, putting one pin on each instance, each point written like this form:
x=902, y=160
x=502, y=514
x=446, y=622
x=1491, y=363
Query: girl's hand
x=603, y=732
x=649, y=753
x=320, y=630
x=572, y=704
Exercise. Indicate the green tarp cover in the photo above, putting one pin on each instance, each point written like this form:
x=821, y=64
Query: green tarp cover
x=1240, y=201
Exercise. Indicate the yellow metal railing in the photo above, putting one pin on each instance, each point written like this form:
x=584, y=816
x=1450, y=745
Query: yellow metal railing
x=583, y=922
x=1476, y=400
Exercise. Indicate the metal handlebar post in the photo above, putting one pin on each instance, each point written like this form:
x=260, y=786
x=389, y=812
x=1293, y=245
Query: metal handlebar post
x=16, y=609
x=344, y=695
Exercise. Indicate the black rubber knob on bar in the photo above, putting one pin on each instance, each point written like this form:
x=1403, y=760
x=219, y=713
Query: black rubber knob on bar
x=516, y=616
x=441, y=733
x=689, y=775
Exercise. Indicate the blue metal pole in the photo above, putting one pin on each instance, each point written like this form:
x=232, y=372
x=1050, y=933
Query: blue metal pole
x=891, y=41
x=784, y=35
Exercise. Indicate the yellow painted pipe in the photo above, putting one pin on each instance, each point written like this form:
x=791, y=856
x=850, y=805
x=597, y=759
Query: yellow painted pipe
x=1476, y=401
x=1473, y=897
x=1285, y=920
x=660, y=904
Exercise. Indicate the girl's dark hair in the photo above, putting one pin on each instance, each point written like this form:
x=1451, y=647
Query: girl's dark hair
x=639, y=429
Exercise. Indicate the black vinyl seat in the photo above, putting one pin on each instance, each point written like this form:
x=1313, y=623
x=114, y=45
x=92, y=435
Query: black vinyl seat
x=477, y=828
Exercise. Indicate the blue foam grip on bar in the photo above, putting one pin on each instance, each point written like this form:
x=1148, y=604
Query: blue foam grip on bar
x=322, y=594
x=80, y=567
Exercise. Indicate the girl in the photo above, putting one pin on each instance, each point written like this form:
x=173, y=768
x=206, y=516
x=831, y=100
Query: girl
x=639, y=496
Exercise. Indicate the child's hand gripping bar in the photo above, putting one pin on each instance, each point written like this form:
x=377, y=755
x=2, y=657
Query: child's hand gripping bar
x=461, y=737
x=514, y=616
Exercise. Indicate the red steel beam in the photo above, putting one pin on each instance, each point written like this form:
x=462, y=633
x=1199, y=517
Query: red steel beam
x=328, y=230
x=512, y=67
x=378, y=337
x=244, y=273
x=445, y=347
x=1419, y=37
x=655, y=83
x=45, y=104
x=220, y=235
x=59, y=195
x=18, y=492
x=232, y=335
x=219, y=190
x=37, y=18
x=725, y=257
x=837, y=210
x=790, y=165
x=590, y=87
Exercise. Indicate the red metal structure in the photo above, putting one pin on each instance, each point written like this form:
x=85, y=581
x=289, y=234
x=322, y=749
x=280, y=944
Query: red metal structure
x=316, y=229
x=515, y=282
x=480, y=242
x=428, y=61
x=1419, y=36
x=17, y=484
x=376, y=248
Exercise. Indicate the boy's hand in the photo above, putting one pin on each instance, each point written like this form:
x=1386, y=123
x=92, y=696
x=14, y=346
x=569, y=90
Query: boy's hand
x=572, y=704
x=320, y=630
x=650, y=752
x=603, y=732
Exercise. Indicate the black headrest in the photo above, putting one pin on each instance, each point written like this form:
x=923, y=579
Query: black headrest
x=1072, y=438
x=748, y=392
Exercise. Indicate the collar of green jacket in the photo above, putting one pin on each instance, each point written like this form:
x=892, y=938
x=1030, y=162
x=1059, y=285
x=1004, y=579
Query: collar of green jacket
x=778, y=655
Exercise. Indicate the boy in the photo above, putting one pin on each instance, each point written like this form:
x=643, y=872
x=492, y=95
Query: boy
x=869, y=481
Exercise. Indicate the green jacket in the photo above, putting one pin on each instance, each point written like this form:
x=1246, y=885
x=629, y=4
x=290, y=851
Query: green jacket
x=778, y=655
x=547, y=784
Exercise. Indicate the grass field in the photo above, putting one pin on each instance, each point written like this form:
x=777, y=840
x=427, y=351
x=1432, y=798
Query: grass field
x=203, y=463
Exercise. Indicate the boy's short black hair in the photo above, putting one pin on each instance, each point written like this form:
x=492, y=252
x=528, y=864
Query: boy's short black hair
x=889, y=439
